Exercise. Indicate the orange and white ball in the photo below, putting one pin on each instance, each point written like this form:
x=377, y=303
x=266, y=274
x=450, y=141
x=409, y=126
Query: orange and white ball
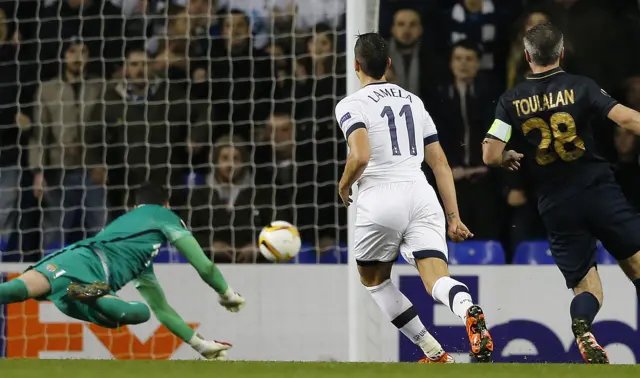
x=279, y=241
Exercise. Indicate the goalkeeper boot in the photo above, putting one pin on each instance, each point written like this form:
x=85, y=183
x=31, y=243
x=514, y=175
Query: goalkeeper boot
x=481, y=341
x=591, y=351
x=445, y=358
x=87, y=292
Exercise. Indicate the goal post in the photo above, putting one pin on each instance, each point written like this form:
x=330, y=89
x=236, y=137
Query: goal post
x=364, y=318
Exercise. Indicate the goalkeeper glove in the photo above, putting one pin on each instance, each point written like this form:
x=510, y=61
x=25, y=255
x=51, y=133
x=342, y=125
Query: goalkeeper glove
x=210, y=350
x=214, y=350
x=232, y=301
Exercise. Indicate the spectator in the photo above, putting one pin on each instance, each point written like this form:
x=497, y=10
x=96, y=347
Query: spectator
x=9, y=132
x=476, y=20
x=57, y=150
x=414, y=64
x=300, y=165
x=590, y=51
x=517, y=66
x=462, y=116
x=231, y=205
x=242, y=84
x=98, y=22
x=633, y=92
x=172, y=61
x=283, y=62
x=321, y=77
x=14, y=131
x=628, y=165
x=139, y=24
x=147, y=123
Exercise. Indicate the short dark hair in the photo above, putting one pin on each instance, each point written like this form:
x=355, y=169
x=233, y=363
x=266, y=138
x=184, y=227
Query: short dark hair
x=134, y=47
x=152, y=194
x=239, y=12
x=372, y=52
x=544, y=43
x=467, y=44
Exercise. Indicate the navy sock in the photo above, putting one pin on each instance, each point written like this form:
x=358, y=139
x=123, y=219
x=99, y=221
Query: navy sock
x=585, y=306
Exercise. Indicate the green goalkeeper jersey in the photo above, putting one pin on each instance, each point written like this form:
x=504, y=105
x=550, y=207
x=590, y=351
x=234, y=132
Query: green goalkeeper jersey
x=130, y=242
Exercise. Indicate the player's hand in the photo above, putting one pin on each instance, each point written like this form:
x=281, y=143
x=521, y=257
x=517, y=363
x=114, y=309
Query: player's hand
x=511, y=160
x=345, y=194
x=457, y=230
x=215, y=350
x=232, y=301
x=38, y=185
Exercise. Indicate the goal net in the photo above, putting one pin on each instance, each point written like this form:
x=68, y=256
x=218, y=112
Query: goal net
x=100, y=96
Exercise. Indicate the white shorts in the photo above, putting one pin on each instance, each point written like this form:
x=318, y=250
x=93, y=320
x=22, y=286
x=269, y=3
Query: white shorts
x=399, y=217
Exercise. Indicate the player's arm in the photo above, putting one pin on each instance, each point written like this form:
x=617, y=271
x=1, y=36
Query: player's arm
x=626, y=117
x=175, y=231
x=208, y=272
x=607, y=107
x=493, y=146
x=150, y=289
x=437, y=161
x=358, y=158
x=353, y=123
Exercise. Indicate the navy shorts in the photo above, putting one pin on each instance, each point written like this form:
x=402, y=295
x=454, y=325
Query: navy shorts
x=600, y=212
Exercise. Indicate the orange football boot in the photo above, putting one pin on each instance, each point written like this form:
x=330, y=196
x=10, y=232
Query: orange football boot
x=479, y=337
x=591, y=351
x=446, y=358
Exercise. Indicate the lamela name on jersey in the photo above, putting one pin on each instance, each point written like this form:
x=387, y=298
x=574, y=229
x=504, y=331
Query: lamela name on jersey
x=539, y=103
x=382, y=93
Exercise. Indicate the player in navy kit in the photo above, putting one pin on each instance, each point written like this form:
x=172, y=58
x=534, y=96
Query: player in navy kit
x=545, y=121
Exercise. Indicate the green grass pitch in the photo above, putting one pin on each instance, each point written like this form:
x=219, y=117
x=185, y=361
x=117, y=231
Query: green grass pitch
x=205, y=369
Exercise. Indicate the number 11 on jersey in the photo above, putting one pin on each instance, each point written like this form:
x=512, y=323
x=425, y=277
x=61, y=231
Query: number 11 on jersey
x=391, y=119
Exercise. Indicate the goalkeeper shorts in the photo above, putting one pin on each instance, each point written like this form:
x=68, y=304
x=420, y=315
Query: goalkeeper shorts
x=69, y=265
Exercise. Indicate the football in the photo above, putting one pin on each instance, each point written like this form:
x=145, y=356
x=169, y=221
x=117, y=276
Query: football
x=279, y=241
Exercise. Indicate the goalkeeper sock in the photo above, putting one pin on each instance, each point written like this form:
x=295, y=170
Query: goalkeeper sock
x=13, y=291
x=584, y=306
x=405, y=317
x=121, y=312
x=454, y=294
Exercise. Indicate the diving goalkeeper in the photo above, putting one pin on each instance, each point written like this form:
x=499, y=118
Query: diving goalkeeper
x=83, y=278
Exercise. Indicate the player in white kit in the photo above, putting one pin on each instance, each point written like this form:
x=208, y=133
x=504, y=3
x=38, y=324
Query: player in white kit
x=390, y=133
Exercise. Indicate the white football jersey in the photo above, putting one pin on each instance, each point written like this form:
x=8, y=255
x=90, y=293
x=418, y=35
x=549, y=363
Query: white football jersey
x=399, y=127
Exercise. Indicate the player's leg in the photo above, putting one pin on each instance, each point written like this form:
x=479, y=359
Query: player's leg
x=616, y=223
x=425, y=247
x=631, y=267
x=31, y=284
x=573, y=248
x=108, y=306
x=376, y=250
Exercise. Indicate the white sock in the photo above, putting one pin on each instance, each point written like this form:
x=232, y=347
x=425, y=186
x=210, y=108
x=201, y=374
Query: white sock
x=454, y=294
x=405, y=317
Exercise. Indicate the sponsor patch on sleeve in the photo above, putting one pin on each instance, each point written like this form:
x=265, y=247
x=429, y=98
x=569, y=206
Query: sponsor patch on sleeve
x=344, y=118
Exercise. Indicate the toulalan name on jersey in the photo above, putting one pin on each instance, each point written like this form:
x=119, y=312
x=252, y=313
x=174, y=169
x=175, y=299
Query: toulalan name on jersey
x=379, y=94
x=543, y=102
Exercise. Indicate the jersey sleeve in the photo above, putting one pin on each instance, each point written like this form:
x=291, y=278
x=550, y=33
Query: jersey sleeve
x=350, y=116
x=600, y=100
x=171, y=225
x=429, y=131
x=501, y=126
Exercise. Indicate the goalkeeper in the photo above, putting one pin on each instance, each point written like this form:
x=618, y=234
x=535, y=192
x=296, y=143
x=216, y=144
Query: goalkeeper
x=83, y=278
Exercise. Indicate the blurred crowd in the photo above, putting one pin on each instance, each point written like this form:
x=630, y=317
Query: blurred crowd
x=229, y=103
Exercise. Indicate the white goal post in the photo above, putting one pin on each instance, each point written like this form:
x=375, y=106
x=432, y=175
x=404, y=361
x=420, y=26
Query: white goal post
x=365, y=319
